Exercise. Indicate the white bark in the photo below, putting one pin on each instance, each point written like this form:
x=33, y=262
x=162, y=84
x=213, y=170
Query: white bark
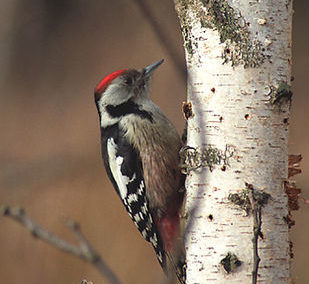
x=231, y=86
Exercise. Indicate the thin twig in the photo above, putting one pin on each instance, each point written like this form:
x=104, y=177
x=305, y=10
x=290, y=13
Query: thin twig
x=83, y=250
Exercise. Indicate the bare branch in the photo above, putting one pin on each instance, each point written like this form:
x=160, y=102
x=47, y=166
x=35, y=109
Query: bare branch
x=83, y=250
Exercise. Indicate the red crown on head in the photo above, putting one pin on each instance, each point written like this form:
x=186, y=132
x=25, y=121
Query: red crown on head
x=107, y=80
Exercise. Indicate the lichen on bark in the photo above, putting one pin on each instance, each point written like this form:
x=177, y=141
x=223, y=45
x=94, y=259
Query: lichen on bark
x=181, y=7
x=281, y=93
x=230, y=262
x=239, y=48
x=193, y=159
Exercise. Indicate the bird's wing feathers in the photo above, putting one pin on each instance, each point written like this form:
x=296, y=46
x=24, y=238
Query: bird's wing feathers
x=125, y=170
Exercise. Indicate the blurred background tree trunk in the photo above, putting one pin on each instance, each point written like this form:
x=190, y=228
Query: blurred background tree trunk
x=238, y=56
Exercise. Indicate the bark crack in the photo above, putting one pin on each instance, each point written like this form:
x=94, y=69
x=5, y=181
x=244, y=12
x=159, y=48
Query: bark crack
x=252, y=200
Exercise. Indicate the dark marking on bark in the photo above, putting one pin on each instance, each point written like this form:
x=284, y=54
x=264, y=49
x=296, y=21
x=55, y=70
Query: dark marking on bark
x=291, y=249
x=242, y=199
x=187, y=110
x=258, y=200
x=252, y=201
x=292, y=193
x=280, y=94
x=294, y=166
x=185, y=134
x=230, y=262
x=289, y=221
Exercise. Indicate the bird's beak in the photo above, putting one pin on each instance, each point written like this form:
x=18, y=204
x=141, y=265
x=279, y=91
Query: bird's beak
x=149, y=69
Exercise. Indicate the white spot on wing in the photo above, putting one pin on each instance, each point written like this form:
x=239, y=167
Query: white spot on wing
x=133, y=178
x=137, y=218
x=132, y=197
x=154, y=240
x=141, y=188
x=141, y=215
x=144, y=208
x=115, y=166
x=144, y=233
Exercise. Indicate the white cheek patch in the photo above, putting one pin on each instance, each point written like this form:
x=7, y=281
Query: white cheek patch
x=115, y=166
x=106, y=119
x=113, y=95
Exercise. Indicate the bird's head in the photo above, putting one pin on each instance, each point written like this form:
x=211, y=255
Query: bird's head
x=125, y=85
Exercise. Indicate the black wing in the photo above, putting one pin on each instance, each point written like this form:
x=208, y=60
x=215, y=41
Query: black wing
x=124, y=168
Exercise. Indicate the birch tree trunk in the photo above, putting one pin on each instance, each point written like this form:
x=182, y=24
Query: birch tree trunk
x=238, y=55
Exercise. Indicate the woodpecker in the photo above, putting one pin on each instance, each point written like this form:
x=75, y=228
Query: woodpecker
x=140, y=150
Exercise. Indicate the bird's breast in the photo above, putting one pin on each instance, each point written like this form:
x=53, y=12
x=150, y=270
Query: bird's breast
x=158, y=145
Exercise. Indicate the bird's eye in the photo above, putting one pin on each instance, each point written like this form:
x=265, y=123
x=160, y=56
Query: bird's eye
x=128, y=81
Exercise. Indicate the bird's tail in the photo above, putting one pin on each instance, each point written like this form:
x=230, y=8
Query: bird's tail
x=177, y=265
x=174, y=248
x=169, y=228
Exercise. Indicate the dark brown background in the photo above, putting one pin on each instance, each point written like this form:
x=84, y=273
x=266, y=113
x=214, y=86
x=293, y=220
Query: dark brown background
x=52, y=55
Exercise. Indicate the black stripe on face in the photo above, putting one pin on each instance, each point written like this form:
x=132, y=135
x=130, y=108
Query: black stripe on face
x=128, y=107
